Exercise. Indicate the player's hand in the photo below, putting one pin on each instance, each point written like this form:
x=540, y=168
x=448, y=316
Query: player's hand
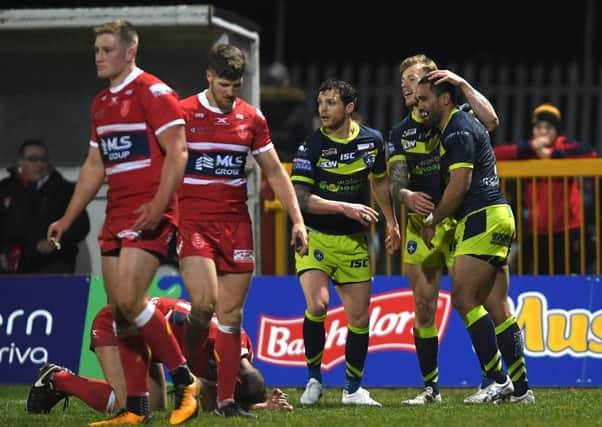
x=440, y=76
x=299, y=238
x=56, y=230
x=363, y=214
x=149, y=217
x=45, y=247
x=428, y=231
x=419, y=202
x=278, y=401
x=393, y=239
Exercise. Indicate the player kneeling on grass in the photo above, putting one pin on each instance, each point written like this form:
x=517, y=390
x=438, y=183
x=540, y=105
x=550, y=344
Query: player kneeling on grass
x=116, y=356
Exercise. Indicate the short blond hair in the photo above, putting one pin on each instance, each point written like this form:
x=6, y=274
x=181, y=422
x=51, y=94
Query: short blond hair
x=428, y=63
x=120, y=28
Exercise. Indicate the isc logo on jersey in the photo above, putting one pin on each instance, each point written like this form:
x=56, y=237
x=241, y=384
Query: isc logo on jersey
x=116, y=147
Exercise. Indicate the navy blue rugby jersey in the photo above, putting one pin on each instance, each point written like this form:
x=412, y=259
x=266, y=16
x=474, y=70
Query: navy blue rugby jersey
x=338, y=169
x=412, y=141
x=465, y=143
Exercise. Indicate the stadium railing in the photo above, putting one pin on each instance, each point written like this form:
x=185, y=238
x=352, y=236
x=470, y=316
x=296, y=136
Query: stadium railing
x=514, y=176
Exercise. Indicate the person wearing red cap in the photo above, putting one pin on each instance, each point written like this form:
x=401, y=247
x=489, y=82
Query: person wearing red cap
x=547, y=142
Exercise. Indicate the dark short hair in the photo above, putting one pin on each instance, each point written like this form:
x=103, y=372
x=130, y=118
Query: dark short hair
x=227, y=61
x=345, y=90
x=441, y=88
x=250, y=388
x=31, y=143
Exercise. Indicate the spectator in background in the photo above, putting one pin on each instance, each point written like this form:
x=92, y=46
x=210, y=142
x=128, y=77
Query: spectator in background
x=32, y=197
x=548, y=142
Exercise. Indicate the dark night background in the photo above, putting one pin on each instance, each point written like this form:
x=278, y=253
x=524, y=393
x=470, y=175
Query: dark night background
x=383, y=31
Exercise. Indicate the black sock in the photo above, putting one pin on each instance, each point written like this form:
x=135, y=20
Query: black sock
x=181, y=375
x=482, y=332
x=139, y=405
x=511, y=344
x=356, y=348
x=427, y=349
x=314, y=338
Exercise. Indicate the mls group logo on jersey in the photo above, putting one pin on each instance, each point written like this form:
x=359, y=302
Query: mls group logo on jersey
x=41, y=319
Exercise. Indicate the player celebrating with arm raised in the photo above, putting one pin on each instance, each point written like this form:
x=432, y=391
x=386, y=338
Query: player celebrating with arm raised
x=138, y=142
x=415, y=182
x=215, y=243
x=331, y=175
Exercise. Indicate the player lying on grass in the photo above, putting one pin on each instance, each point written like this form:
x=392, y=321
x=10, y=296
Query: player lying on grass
x=121, y=356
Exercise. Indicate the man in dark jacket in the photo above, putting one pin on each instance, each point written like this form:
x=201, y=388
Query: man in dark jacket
x=31, y=198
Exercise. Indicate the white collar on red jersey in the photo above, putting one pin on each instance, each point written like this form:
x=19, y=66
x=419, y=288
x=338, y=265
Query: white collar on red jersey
x=205, y=103
x=128, y=79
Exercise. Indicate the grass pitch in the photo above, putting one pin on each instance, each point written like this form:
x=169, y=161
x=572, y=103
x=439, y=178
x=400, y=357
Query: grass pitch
x=554, y=407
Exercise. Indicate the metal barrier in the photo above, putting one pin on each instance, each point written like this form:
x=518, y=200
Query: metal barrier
x=514, y=177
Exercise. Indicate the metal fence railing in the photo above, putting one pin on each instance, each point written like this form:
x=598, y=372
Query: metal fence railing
x=515, y=177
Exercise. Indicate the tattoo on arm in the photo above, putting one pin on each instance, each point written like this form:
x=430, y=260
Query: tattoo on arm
x=303, y=194
x=398, y=172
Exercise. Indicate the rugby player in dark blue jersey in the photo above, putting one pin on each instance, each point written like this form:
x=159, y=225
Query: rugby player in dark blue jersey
x=415, y=182
x=482, y=237
x=333, y=172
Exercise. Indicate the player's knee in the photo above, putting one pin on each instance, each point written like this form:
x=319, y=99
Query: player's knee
x=425, y=307
x=317, y=307
x=461, y=301
x=230, y=315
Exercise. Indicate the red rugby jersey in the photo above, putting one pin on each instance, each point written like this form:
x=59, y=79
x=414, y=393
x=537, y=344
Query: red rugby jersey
x=215, y=182
x=126, y=120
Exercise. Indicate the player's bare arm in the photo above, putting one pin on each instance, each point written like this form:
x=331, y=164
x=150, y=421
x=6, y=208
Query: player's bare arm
x=173, y=142
x=283, y=188
x=478, y=102
x=318, y=205
x=91, y=177
x=399, y=179
x=380, y=189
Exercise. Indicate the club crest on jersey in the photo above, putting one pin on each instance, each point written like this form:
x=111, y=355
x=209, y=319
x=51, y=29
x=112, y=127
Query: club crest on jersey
x=239, y=116
x=125, y=107
x=369, y=160
x=412, y=246
x=243, y=132
x=318, y=255
x=199, y=115
x=197, y=241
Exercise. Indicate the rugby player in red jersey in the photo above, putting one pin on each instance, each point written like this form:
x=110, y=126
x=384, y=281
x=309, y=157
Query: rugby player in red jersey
x=138, y=143
x=215, y=241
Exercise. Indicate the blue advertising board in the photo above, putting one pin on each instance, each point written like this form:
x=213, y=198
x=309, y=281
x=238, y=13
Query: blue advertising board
x=561, y=319
x=41, y=319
